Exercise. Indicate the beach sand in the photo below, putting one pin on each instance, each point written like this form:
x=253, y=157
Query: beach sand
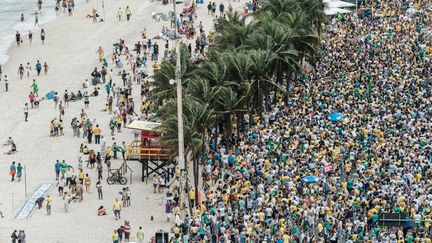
x=70, y=51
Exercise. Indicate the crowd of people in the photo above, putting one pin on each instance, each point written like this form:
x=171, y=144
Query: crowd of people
x=295, y=175
x=291, y=174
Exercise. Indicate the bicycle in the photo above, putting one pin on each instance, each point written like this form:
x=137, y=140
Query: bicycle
x=116, y=178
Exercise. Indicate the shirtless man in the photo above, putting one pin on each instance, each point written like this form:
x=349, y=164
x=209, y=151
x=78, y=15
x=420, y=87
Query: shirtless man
x=79, y=191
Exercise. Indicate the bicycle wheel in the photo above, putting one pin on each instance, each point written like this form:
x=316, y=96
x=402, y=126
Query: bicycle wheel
x=123, y=180
x=110, y=180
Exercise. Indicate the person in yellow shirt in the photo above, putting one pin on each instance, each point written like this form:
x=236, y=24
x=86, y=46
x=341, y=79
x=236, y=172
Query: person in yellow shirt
x=115, y=237
x=81, y=176
x=119, y=121
x=285, y=238
x=192, y=196
x=117, y=209
x=48, y=204
x=261, y=216
x=97, y=132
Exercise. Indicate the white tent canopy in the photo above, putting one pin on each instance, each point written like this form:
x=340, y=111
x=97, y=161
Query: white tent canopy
x=338, y=4
x=334, y=11
x=335, y=6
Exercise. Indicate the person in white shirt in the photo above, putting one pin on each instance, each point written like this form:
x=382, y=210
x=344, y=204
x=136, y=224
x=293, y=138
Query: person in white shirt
x=26, y=109
x=28, y=69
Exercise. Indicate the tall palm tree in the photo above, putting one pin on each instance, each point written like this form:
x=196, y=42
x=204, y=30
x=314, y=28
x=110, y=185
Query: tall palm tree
x=161, y=88
x=228, y=103
x=235, y=33
x=197, y=117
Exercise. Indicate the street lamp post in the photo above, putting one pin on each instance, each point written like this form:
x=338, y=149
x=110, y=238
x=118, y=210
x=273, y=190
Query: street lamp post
x=181, y=154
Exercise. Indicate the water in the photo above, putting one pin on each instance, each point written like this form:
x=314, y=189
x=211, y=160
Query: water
x=10, y=14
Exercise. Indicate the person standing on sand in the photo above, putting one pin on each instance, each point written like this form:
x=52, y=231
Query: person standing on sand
x=14, y=236
x=48, y=204
x=79, y=191
x=140, y=235
x=19, y=172
x=99, y=190
x=18, y=38
x=28, y=69
x=87, y=182
x=6, y=80
x=21, y=236
x=31, y=97
x=42, y=34
x=117, y=209
x=101, y=54
x=115, y=237
x=128, y=13
x=61, y=185
x=36, y=20
x=21, y=71
x=45, y=68
x=30, y=37
x=35, y=88
x=126, y=231
x=66, y=201
x=38, y=67
x=26, y=112
x=57, y=169
x=119, y=15
x=12, y=171
x=97, y=132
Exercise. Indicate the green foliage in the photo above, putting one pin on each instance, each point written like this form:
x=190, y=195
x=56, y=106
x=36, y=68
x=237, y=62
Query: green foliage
x=250, y=57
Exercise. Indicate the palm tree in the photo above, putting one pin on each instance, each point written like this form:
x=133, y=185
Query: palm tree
x=213, y=69
x=228, y=103
x=197, y=117
x=315, y=14
x=235, y=33
x=162, y=89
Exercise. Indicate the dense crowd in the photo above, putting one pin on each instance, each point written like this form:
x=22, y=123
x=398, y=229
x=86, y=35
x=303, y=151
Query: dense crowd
x=376, y=159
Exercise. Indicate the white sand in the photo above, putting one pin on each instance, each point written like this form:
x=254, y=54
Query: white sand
x=70, y=51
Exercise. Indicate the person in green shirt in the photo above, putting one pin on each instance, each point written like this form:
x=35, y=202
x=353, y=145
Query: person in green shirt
x=409, y=238
x=35, y=88
x=19, y=172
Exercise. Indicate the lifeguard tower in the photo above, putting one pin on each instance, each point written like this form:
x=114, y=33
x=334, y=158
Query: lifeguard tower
x=154, y=158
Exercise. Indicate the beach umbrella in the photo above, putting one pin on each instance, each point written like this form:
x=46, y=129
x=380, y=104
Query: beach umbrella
x=50, y=95
x=334, y=117
x=310, y=179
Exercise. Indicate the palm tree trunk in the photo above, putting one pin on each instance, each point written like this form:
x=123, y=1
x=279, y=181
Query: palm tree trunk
x=186, y=189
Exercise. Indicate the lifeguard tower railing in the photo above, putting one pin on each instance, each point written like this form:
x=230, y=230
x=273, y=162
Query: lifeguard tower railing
x=153, y=159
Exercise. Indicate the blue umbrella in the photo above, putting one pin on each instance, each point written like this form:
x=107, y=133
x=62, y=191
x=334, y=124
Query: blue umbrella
x=50, y=95
x=310, y=179
x=334, y=117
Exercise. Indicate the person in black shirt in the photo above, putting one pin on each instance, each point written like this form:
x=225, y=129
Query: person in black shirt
x=138, y=48
x=18, y=38
x=96, y=76
x=21, y=71
x=155, y=52
x=124, y=77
